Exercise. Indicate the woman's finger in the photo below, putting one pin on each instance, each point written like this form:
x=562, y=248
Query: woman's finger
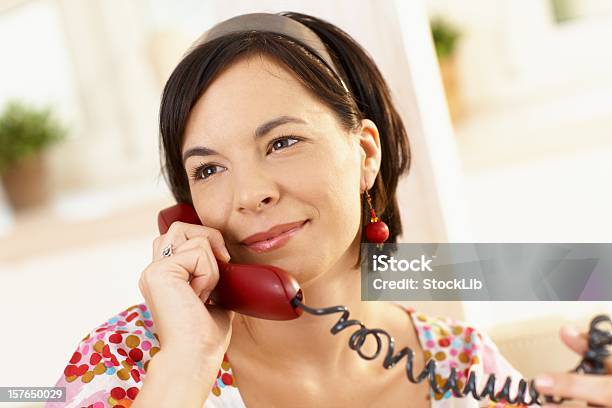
x=578, y=342
x=574, y=339
x=201, y=241
x=184, y=231
x=181, y=232
x=201, y=283
x=160, y=243
x=206, y=275
x=596, y=389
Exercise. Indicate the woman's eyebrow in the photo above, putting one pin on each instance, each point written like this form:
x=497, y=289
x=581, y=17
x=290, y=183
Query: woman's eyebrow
x=261, y=131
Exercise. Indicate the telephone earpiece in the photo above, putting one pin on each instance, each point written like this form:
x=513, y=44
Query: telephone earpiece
x=262, y=291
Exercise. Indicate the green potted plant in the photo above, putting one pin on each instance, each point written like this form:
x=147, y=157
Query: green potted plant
x=25, y=133
x=446, y=37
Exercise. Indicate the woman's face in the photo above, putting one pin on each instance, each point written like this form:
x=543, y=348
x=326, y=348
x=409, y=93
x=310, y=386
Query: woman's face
x=306, y=168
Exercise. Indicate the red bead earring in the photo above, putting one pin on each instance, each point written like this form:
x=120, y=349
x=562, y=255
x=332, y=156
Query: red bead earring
x=377, y=231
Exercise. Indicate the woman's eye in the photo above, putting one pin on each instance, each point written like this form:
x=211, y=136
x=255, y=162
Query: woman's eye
x=280, y=142
x=204, y=171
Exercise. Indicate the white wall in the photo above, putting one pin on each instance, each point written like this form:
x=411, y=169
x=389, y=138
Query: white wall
x=535, y=142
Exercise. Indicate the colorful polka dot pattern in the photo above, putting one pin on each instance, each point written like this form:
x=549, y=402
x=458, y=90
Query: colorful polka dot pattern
x=107, y=368
x=116, y=353
x=225, y=378
x=454, y=344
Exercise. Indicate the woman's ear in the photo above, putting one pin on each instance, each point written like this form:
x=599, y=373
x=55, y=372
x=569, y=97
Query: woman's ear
x=370, y=153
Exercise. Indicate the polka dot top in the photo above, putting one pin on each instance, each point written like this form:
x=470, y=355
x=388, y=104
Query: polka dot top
x=109, y=365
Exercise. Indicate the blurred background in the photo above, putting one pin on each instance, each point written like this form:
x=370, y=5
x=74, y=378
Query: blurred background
x=508, y=104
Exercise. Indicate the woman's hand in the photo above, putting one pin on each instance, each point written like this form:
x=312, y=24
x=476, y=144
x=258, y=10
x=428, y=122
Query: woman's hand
x=592, y=388
x=176, y=287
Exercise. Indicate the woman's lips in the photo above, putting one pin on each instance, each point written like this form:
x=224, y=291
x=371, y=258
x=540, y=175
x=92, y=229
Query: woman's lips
x=276, y=242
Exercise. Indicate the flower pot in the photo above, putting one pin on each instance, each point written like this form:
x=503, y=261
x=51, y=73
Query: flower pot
x=26, y=182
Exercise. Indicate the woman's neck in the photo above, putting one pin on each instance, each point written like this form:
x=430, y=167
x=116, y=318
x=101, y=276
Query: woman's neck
x=306, y=342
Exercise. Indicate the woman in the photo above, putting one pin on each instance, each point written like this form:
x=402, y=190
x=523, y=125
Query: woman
x=258, y=131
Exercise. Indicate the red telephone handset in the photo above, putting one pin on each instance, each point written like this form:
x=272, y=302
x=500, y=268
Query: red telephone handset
x=262, y=291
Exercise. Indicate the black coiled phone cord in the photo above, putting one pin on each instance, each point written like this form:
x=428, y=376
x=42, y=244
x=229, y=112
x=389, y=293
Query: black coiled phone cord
x=592, y=362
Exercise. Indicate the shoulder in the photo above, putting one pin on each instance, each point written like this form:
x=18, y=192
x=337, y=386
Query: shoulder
x=453, y=343
x=107, y=367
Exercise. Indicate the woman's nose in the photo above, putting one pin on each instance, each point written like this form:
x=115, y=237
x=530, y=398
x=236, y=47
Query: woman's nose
x=256, y=190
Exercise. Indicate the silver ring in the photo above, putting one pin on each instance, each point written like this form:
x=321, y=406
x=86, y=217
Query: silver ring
x=167, y=251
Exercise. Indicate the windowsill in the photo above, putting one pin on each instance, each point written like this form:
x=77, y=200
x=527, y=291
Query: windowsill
x=83, y=219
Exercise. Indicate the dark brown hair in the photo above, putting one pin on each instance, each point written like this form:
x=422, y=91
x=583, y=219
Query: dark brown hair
x=369, y=97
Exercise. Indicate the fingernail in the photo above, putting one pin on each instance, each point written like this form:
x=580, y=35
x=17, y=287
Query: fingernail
x=544, y=381
x=571, y=331
x=227, y=255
